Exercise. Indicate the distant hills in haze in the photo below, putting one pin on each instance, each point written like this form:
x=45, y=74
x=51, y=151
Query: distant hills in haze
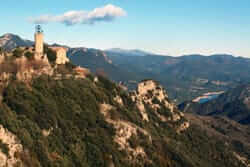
x=189, y=76
x=10, y=41
x=98, y=62
x=127, y=52
x=185, y=77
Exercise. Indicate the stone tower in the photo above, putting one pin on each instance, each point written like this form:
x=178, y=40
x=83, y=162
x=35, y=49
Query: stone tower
x=39, y=42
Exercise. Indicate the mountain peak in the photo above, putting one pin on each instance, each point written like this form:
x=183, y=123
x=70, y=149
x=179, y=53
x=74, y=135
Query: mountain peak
x=9, y=35
x=128, y=52
x=10, y=41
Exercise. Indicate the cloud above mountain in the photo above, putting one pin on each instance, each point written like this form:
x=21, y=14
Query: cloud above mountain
x=107, y=13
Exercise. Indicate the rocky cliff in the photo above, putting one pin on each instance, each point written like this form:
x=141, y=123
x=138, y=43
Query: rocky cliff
x=152, y=95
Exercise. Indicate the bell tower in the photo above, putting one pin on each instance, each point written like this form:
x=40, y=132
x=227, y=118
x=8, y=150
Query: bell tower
x=39, y=41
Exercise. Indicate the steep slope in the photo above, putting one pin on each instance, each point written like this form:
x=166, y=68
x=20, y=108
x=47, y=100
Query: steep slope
x=225, y=129
x=11, y=41
x=234, y=104
x=63, y=119
x=81, y=123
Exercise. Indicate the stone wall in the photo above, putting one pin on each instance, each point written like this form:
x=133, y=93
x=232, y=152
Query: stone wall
x=61, y=54
x=39, y=44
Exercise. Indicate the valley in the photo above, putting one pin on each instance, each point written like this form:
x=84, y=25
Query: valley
x=207, y=97
x=233, y=104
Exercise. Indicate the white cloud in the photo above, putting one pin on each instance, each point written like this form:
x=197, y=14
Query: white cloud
x=105, y=14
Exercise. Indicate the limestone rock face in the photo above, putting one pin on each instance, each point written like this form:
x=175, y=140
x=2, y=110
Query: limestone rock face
x=151, y=94
x=243, y=160
x=118, y=99
x=152, y=101
x=14, y=147
x=124, y=132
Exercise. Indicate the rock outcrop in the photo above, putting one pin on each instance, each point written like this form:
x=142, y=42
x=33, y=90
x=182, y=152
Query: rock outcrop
x=152, y=95
x=9, y=158
x=149, y=97
x=124, y=132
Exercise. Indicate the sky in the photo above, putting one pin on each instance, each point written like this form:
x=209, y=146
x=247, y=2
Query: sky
x=169, y=27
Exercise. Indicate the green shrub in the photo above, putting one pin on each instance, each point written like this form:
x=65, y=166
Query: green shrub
x=17, y=53
x=4, y=148
x=50, y=54
x=29, y=55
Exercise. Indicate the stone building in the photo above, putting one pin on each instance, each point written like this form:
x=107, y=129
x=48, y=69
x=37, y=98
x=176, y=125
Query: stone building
x=39, y=42
x=61, y=54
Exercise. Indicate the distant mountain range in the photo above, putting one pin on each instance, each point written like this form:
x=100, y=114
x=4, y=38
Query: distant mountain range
x=98, y=62
x=125, y=52
x=189, y=76
x=11, y=41
x=185, y=77
x=234, y=104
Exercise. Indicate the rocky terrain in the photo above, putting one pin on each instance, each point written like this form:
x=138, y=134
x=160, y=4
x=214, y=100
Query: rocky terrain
x=234, y=104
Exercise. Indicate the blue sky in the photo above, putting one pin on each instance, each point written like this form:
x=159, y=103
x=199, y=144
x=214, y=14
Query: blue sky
x=171, y=27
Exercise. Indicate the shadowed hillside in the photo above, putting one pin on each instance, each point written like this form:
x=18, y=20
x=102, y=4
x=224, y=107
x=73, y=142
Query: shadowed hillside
x=234, y=104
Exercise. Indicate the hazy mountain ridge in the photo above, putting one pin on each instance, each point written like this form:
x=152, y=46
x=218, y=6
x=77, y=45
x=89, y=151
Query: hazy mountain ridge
x=98, y=62
x=10, y=41
x=187, y=77
x=126, y=52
